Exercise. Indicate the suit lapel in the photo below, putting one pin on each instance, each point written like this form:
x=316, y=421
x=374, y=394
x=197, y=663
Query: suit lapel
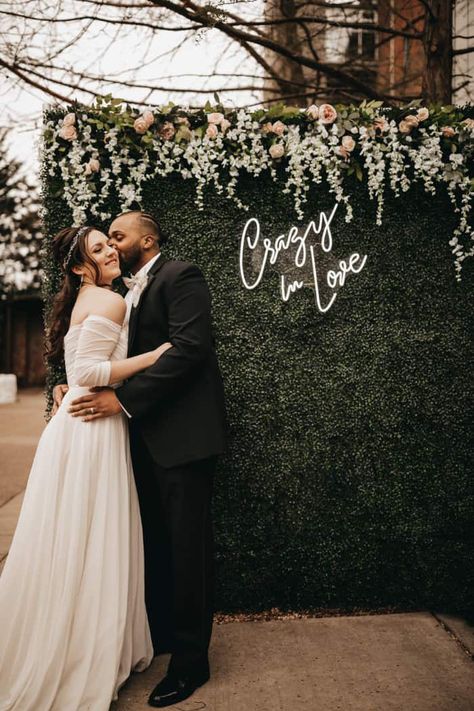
x=132, y=327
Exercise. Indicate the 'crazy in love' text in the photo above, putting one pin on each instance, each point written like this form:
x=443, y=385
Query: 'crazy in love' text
x=335, y=278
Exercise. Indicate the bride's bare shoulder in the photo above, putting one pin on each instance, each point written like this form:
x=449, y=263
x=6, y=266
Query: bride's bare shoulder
x=102, y=302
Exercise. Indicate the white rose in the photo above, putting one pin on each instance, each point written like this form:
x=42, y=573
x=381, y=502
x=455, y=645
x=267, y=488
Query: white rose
x=381, y=124
x=148, y=117
x=140, y=125
x=68, y=132
x=93, y=166
x=468, y=123
x=212, y=131
x=342, y=151
x=277, y=150
x=348, y=143
x=225, y=124
x=69, y=120
x=215, y=118
x=411, y=120
x=278, y=128
x=422, y=114
x=312, y=112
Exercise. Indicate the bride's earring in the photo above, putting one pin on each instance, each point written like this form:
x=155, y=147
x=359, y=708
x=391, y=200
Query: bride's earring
x=82, y=281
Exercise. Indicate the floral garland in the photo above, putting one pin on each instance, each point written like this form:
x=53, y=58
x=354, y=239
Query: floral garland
x=93, y=149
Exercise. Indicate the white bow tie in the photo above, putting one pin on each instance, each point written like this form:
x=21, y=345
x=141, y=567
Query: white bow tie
x=137, y=282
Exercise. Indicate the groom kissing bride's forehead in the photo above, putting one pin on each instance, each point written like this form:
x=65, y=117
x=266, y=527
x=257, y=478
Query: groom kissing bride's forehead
x=176, y=415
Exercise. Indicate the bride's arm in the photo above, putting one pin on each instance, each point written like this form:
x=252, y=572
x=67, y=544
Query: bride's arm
x=97, y=341
x=124, y=369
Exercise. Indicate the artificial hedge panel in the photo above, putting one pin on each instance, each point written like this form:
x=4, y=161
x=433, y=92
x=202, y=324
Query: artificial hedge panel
x=346, y=481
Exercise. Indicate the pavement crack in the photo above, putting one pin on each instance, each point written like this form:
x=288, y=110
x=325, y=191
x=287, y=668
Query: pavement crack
x=451, y=632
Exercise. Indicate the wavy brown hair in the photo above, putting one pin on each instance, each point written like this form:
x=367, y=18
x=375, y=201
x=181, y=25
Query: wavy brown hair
x=63, y=303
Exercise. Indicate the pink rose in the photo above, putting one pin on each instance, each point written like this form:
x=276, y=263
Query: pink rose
x=278, y=128
x=422, y=114
x=215, y=118
x=69, y=132
x=148, y=117
x=212, y=131
x=404, y=126
x=468, y=123
x=312, y=112
x=327, y=113
x=167, y=131
x=411, y=120
x=69, y=120
x=381, y=124
x=225, y=124
x=277, y=150
x=343, y=152
x=448, y=131
x=140, y=125
x=348, y=143
x=93, y=166
x=267, y=127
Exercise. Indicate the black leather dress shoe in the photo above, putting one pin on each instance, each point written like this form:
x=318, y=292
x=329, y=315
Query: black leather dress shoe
x=174, y=688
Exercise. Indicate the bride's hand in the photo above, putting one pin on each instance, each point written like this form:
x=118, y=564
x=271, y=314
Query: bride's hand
x=59, y=392
x=161, y=349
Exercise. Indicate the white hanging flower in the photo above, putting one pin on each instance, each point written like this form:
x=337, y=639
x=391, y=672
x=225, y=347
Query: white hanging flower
x=314, y=152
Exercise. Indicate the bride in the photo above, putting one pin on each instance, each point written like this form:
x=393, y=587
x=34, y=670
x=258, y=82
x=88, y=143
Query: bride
x=72, y=608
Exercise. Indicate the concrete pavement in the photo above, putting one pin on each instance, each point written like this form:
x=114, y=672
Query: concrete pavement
x=397, y=662
x=418, y=661
x=21, y=424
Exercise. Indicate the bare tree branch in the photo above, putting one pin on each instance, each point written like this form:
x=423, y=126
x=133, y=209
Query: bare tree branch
x=106, y=20
x=190, y=11
x=464, y=50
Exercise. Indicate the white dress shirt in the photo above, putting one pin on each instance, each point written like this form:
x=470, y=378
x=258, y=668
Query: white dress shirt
x=141, y=272
x=129, y=299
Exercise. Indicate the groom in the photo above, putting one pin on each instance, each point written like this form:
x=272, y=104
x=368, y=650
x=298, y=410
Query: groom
x=176, y=415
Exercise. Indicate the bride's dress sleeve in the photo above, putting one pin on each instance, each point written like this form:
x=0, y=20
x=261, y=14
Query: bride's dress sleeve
x=97, y=340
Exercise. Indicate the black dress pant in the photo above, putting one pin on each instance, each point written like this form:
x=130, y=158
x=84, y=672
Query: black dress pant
x=175, y=506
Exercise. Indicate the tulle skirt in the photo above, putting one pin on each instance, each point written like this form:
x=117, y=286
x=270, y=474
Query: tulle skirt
x=73, y=623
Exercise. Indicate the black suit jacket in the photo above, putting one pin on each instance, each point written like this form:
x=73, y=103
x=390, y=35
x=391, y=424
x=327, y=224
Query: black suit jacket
x=177, y=405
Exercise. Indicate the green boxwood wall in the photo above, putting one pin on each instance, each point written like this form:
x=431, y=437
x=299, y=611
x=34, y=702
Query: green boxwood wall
x=347, y=479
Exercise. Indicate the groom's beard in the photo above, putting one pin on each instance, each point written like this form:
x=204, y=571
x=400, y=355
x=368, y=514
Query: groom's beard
x=129, y=262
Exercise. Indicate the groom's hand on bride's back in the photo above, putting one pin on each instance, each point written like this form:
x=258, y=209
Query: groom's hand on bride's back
x=59, y=392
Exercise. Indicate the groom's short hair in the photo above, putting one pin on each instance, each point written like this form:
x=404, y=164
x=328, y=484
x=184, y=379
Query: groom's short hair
x=149, y=223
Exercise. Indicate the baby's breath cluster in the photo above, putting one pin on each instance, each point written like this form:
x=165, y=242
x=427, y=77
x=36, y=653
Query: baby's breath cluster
x=111, y=147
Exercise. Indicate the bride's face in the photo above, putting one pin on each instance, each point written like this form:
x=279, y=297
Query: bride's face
x=104, y=256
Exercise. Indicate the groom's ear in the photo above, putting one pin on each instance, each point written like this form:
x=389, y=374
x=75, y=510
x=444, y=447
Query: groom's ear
x=150, y=241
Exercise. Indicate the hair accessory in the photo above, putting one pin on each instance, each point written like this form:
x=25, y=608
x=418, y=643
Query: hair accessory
x=79, y=233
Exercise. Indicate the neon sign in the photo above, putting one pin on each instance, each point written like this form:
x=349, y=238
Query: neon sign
x=335, y=278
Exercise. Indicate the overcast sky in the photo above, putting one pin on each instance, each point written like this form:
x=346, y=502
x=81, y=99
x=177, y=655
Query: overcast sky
x=152, y=58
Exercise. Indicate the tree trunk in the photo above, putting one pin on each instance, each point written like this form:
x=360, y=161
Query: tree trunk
x=437, y=43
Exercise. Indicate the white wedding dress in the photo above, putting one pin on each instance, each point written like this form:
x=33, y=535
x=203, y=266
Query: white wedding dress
x=73, y=623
